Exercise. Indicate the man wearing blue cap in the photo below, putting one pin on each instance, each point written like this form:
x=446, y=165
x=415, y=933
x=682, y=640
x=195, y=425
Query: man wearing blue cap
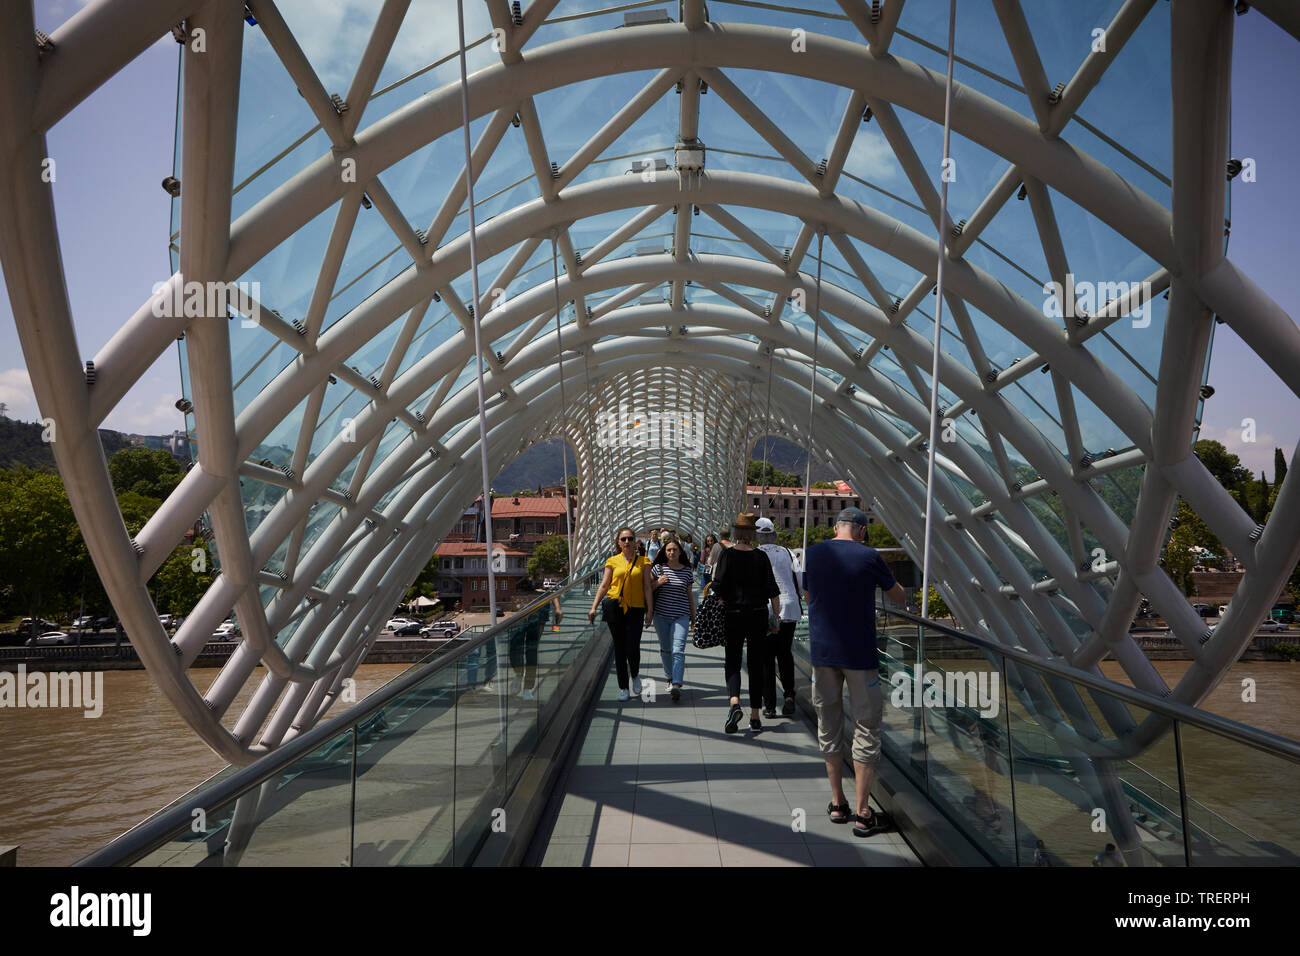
x=840, y=580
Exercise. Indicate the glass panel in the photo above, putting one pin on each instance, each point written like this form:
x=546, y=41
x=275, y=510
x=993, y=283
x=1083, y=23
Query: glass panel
x=301, y=817
x=481, y=719
x=1089, y=802
x=1233, y=823
x=958, y=690
x=405, y=778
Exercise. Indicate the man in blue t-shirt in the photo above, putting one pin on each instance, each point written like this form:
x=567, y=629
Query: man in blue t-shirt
x=840, y=580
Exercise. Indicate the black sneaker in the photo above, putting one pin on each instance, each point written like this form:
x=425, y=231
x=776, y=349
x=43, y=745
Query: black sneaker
x=734, y=717
x=770, y=713
x=788, y=709
x=676, y=692
x=755, y=724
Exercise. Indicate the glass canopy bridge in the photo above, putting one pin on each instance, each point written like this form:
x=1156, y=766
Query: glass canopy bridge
x=976, y=265
x=441, y=768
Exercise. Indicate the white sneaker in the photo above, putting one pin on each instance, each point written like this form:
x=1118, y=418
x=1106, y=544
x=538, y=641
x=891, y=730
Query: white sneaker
x=636, y=686
x=527, y=694
x=488, y=687
x=622, y=695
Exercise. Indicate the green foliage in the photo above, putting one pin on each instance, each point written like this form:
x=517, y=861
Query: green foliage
x=39, y=541
x=425, y=583
x=1222, y=464
x=177, y=585
x=823, y=484
x=878, y=536
x=1287, y=650
x=550, y=558
x=754, y=475
x=1279, y=467
x=793, y=537
x=938, y=607
x=1179, y=558
x=153, y=474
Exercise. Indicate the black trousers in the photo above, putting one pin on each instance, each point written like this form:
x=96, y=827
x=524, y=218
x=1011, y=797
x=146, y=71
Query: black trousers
x=746, y=625
x=779, y=660
x=625, y=628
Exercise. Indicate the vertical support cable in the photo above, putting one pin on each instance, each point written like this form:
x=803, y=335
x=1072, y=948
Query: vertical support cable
x=564, y=408
x=812, y=389
x=938, y=316
x=767, y=429
x=477, y=319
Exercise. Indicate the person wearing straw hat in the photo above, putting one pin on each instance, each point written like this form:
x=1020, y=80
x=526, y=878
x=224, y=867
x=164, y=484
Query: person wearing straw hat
x=747, y=587
x=840, y=580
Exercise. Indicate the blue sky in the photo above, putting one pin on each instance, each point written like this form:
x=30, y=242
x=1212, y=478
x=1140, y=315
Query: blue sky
x=112, y=152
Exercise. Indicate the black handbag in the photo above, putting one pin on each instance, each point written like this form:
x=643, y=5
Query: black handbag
x=710, y=627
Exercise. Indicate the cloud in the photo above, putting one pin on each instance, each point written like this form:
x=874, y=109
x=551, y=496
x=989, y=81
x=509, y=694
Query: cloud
x=1256, y=455
x=872, y=158
x=16, y=394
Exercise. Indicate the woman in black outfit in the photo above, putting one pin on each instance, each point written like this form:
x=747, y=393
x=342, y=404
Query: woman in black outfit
x=745, y=583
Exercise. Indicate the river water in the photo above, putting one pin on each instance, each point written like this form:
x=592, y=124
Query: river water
x=69, y=784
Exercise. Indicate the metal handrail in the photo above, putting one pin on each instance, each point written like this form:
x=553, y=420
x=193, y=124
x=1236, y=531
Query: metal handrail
x=157, y=830
x=1262, y=740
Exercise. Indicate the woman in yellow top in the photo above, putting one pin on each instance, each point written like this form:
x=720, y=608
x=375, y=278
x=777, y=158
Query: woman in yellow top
x=626, y=600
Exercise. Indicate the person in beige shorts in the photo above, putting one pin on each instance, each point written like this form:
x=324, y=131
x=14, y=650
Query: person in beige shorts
x=840, y=580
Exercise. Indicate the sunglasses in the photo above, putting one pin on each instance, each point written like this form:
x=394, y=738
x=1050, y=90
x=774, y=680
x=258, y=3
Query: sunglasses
x=626, y=539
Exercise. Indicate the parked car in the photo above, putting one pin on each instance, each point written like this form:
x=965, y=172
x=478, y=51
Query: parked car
x=412, y=627
x=396, y=622
x=83, y=622
x=1204, y=610
x=440, y=629
x=550, y=584
x=1272, y=626
x=54, y=637
x=226, y=631
x=103, y=622
x=41, y=625
x=165, y=620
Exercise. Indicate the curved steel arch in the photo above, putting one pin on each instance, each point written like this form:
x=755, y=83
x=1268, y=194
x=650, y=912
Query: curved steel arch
x=313, y=625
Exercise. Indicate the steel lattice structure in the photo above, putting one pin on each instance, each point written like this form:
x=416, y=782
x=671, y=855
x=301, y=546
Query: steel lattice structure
x=680, y=288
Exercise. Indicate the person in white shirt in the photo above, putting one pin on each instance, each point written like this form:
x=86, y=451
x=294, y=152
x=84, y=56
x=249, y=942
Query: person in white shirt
x=779, y=657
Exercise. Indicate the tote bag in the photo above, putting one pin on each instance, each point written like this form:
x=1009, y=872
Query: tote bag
x=709, y=622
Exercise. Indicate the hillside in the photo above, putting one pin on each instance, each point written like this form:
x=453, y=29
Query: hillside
x=21, y=444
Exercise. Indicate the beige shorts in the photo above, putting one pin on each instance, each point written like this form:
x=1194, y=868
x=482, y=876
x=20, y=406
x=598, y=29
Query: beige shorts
x=866, y=705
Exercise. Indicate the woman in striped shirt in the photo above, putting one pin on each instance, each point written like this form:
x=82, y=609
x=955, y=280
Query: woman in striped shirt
x=674, y=610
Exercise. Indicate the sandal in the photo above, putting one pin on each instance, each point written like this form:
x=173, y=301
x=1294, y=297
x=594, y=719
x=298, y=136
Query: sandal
x=845, y=814
x=870, y=826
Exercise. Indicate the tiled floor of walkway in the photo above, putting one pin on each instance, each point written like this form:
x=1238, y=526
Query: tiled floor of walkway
x=658, y=783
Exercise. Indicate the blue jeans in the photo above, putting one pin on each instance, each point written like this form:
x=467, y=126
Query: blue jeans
x=672, y=644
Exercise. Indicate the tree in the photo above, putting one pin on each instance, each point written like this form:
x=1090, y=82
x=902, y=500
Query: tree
x=754, y=475
x=425, y=583
x=152, y=473
x=1279, y=467
x=550, y=558
x=1222, y=464
x=878, y=536
x=937, y=607
x=177, y=586
x=1190, y=533
x=823, y=484
x=39, y=539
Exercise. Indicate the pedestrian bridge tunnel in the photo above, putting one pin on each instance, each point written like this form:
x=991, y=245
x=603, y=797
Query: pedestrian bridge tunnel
x=731, y=219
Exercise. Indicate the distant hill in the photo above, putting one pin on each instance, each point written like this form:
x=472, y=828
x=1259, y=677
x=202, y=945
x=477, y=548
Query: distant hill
x=787, y=456
x=540, y=465
x=21, y=444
